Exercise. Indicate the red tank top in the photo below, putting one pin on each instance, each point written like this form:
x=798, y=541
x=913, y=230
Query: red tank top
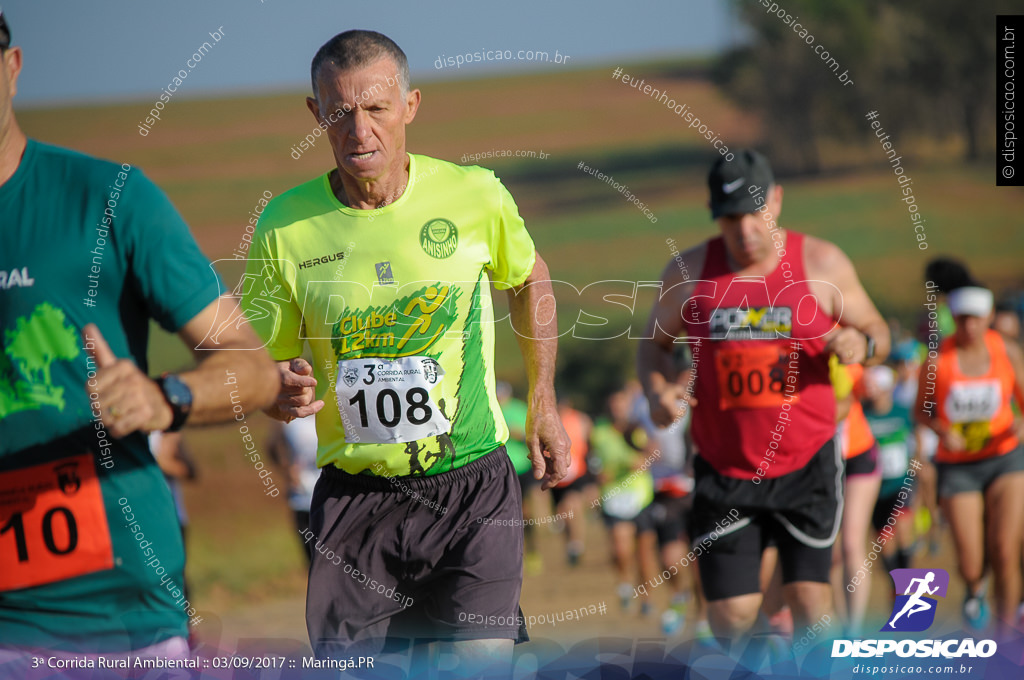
x=765, y=403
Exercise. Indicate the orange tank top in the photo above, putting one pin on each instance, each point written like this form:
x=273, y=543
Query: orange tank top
x=857, y=437
x=575, y=426
x=978, y=407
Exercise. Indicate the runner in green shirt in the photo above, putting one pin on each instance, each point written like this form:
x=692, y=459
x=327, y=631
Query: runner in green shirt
x=90, y=551
x=383, y=266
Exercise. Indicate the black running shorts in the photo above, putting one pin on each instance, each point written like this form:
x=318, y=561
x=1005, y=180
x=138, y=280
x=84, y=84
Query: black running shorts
x=734, y=520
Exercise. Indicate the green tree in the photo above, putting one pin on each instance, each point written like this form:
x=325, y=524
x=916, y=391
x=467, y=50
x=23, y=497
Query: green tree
x=38, y=341
x=927, y=66
x=777, y=74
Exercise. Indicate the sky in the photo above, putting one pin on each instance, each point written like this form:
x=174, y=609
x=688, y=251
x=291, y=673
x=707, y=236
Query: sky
x=122, y=50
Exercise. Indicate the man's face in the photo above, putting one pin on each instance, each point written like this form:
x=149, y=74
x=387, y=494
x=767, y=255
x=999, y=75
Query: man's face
x=748, y=236
x=365, y=117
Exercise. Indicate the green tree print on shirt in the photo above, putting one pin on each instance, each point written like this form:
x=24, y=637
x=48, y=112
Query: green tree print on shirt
x=30, y=348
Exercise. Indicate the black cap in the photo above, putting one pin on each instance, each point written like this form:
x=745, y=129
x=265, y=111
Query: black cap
x=5, y=32
x=734, y=183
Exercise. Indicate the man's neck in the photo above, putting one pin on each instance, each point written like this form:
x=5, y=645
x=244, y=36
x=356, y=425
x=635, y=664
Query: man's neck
x=762, y=267
x=12, y=148
x=370, y=195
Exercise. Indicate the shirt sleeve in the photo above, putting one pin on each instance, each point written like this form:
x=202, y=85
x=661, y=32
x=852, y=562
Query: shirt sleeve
x=512, y=250
x=268, y=300
x=166, y=265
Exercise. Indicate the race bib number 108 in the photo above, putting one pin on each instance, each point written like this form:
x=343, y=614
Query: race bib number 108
x=388, y=401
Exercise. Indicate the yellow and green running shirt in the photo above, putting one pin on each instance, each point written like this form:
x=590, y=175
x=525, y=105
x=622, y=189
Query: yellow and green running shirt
x=395, y=304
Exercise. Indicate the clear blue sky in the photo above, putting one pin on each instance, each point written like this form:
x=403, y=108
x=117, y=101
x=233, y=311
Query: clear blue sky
x=130, y=49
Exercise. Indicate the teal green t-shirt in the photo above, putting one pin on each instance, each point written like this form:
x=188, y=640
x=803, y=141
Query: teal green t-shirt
x=91, y=556
x=515, y=412
x=893, y=432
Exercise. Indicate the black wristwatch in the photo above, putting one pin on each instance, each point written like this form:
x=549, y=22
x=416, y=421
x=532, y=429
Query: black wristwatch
x=179, y=398
x=870, y=353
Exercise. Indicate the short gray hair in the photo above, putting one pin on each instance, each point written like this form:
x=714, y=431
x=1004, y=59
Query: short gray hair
x=356, y=48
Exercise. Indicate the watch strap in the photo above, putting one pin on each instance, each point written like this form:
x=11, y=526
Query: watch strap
x=180, y=410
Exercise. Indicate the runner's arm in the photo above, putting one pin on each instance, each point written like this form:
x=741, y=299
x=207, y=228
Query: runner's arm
x=654, y=364
x=857, y=315
x=1016, y=358
x=928, y=416
x=233, y=370
x=532, y=312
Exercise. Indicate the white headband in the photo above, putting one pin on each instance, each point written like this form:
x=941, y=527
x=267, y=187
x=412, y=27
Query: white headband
x=970, y=301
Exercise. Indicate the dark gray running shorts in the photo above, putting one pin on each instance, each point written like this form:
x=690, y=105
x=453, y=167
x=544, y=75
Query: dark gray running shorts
x=404, y=559
x=957, y=478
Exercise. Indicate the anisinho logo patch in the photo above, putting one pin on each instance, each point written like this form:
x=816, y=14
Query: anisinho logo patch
x=914, y=610
x=439, y=238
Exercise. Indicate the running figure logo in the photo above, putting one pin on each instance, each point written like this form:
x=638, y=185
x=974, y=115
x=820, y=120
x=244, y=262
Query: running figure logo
x=914, y=611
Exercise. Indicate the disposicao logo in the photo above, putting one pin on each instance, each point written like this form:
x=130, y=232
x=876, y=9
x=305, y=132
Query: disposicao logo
x=913, y=612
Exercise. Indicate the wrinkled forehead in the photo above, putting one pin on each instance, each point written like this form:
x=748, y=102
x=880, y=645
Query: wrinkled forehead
x=364, y=82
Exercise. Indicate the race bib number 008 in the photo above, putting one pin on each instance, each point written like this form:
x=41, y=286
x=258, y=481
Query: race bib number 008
x=753, y=377
x=388, y=401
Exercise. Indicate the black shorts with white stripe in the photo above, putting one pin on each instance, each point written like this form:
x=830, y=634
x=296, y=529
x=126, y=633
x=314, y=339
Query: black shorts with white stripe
x=798, y=513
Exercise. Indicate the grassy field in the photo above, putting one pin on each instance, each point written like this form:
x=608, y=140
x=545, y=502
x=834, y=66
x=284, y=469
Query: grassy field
x=216, y=157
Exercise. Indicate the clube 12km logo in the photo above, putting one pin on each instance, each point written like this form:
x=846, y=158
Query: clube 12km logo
x=914, y=612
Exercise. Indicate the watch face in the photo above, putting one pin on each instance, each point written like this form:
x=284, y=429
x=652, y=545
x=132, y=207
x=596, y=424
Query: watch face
x=179, y=396
x=177, y=392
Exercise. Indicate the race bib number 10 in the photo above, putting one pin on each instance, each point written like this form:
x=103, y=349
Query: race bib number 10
x=52, y=523
x=388, y=401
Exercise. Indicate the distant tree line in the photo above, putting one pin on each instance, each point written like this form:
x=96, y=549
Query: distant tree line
x=927, y=66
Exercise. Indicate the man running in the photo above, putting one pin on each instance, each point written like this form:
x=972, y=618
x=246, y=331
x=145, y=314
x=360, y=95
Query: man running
x=410, y=430
x=763, y=407
x=91, y=557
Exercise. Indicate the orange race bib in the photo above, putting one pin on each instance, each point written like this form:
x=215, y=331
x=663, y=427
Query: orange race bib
x=52, y=523
x=753, y=377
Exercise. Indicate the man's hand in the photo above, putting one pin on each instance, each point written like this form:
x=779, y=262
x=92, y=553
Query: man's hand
x=297, y=398
x=849, y=344
x=127, y=398
x=548, y=444
x=669, y=403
